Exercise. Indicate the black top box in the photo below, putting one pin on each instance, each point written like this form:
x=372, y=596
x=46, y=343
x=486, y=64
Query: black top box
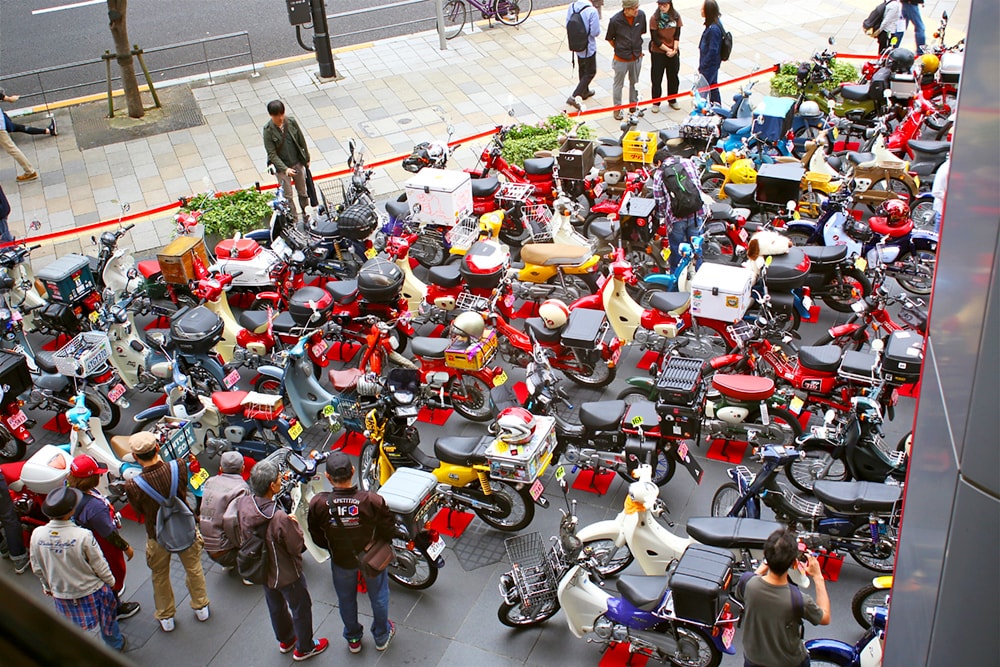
x=700, y=583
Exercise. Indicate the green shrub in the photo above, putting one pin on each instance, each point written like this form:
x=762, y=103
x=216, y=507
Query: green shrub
x=523, y=140
x=225, y=214
x=783, y=83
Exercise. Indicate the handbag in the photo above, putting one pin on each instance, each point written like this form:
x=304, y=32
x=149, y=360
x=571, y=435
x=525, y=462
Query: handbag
x=375, y=557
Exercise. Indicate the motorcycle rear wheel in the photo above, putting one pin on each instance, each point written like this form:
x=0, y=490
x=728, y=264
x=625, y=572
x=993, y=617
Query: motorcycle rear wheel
x=612, y=559
x=804, y=473
x=514, y=616
x=429, y=249
x=663, y=472
x=840, y=295
x=922, y=263
x=11, y=449
x=520, y=514
x=708, y=653
x=868, y=556
x=417, y=573
x=719, y=248
x=597, y=374
x=470, y=397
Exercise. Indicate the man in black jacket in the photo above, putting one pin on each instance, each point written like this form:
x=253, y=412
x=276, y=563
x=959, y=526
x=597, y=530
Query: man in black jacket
x=625, y=31
x=344, y=521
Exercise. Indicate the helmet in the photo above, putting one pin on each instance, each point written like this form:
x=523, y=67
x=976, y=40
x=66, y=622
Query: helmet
x=517, y=425
x=929, y=63
x=743, y=171
x=809, y=109
x=554, y=313
x=901, y=60
x=895, y=212
x=469, y=324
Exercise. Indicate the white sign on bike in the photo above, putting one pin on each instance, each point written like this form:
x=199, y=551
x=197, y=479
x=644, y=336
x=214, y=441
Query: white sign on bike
x=436, y=548
x=439, y=196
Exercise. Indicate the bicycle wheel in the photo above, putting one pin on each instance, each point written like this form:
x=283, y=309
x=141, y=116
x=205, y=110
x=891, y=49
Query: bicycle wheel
x=512, y=12
x=456, y=13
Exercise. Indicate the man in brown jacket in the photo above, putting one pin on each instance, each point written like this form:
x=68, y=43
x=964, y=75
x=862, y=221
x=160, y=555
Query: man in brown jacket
x=287, y=151
x=288, y=601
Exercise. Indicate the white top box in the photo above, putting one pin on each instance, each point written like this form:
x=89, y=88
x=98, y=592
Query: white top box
x=46, y=470
x=721, y=292
x=439, y=196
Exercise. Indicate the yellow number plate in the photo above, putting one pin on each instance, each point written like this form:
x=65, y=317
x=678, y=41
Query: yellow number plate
x=500, y=379
x=328, y=410
x=861, y=263
x=295, y=431
x=94, y=316
x=370, y=253
x=199, y=478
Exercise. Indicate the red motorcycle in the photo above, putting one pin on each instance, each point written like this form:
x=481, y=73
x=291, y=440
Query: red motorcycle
x=537, y=172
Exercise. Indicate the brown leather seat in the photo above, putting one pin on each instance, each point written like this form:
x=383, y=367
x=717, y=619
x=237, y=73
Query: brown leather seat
x=119, y=445
x=551, y=254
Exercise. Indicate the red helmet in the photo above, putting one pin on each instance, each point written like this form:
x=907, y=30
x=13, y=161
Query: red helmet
x=517, y=425
x=895, y=212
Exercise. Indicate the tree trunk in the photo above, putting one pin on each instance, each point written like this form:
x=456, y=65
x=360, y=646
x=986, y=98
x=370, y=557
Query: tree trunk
x=123, y=51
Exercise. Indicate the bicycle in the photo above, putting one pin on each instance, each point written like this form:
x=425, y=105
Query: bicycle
x=507, y=12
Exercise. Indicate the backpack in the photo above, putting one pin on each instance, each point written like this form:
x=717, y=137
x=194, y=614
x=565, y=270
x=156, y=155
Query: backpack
x=685, y=197
x=793, y=590
x=726, y=45
x=251, y=559
x=576, y=31
x=874, y=20
x=175, y=526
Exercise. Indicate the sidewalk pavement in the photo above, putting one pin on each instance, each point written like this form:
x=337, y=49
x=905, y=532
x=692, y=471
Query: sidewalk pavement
x=388, y=97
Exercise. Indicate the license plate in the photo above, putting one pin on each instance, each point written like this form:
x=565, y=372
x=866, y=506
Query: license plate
x=370, y=253
x=328, y=410
x=117, y=392
x=536, y=489
x=861, y=263
x=615, y=356
x=436, y=548
x=199, y=478
x=231, y=379
x=682, y=451
x=499, y=378
x=18, y=419
x=796, y=405
x=598, y=190
x=728, y=635
x=319, y=348
x=295, y=431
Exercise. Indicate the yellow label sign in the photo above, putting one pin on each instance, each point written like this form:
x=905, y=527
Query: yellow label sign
x=199, y=478
x=295, y=431
x=500, y=379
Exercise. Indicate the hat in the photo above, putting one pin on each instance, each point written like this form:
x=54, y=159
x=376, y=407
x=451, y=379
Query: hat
x=86, y=466
x=61, y=502
x=231, y=462
x=143, y=442
x=630, y=4
x=664, y=2
x=339, y=466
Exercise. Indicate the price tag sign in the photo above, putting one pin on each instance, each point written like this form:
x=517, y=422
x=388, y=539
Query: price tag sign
x=116, y=392
x=295, y=431
x=560, y=473
x=861, y=263
x=796, y=405
x=536, y=489
x=500, y=378
x=231, y=379
x=637, y=420
x=328, y=410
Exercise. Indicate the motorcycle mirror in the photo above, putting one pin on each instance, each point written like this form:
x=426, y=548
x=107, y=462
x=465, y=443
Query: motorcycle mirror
x=944, y=16
x=157, y=339
x=877, y=345
x=93, y=240
x=831, y=41
x=790, y=205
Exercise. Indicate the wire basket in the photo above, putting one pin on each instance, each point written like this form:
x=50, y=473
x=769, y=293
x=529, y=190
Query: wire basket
x=351, y=409
x=537, y=219
x=532, y=569
x=467, y=301
x=513, y=193
x=464, y=233
x=742, y=332
x=179, y=443
x=84, y=355
x=332, y=192
x=800, y=504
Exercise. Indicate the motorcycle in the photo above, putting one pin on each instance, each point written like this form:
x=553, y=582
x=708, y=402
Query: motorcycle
x=861, y=518
x=15, y=379
x=537, y=172
x=876, y=594
x=115, y=268
x=873, y=312
x=23, y=293
x=866, y=652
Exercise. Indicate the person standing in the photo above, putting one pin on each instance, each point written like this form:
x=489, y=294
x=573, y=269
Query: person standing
x=890, y=31
x=95, y=513
x=218, y=493
x=287, y=152
x=5, y=235
x=157, y=473
x=72, y=569
x=285, y=591
x=586, y=60
x=665, y=50
x=680, y=228
x=12, y=544
x=772, y=620
x=625, y=31
x=344, y=521
x=911, y=14
x=710, y=48
x=8, y=144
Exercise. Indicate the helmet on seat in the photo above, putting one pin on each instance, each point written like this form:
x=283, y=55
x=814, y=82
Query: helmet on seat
x=895, y=212
x=929, y=63
x=517, y=425
x=554, y=313
x=469, y=324
x=809, y=109
x=901, y=60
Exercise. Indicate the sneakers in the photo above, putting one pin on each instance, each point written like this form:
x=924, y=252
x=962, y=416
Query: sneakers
x=21, y=564
x=571, y=101
x=247, y=582
x=202, y=614
x=354, y=644
x=618, y=114
x=285, y=648
x=656, y=108
x=124, y=647
x=27, y=176
x=52, y=128
x=319, y=645
x=128, y=610
x=674, y=105
x=385, y=644
x=167, y=624
x=588, y=95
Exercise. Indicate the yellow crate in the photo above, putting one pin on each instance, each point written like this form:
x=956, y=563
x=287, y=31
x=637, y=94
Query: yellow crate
x=639, y=146
x=472, y=356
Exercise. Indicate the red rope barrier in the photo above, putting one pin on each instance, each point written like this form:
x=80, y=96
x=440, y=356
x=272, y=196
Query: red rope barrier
x=858, y=56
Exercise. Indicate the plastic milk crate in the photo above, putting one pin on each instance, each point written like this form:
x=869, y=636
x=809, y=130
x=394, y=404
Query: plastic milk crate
x=524, y=462
x=639, y=146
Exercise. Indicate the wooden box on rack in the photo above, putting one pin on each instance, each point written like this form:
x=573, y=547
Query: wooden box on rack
x=177, y=259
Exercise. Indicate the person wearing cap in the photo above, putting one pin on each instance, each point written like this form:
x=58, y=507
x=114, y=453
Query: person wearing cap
x=73, y=571
x=285, y=590
x=625, y=31
x=343, y=522
x=218, y=493
x=156, y=472
x=95, y=513
x=665, y=51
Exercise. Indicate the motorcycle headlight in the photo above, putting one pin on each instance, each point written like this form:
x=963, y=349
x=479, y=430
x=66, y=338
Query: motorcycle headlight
x=402, y=397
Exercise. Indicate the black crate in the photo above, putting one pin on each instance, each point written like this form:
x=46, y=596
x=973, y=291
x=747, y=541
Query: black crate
x=903, y=356
x=779, y=183
x=637, y=207
x=679, y=421
x=700, y=582
x=15, y=376
x=679, y=381
x=585, y=328
x=576, y=159
x=196, y=330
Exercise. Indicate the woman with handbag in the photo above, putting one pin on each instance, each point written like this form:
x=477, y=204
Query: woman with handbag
x=356, y=527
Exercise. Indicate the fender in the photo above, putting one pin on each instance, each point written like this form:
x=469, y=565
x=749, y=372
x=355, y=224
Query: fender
x=589, y=302
x=833, y=650
x=804, y=226
x=882, y=583
x=609, y=529
x=724, y=360
x=273, y=372
x=668, y=280
x=155, y=412
x=646, y=383
x=924, y=240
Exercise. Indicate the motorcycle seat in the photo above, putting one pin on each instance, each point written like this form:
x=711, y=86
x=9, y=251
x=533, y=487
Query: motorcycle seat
x=346, y=379
x=672, y=303
x=538, y=166
x=646, y=412
x=430, y=348
x=448, y=275
x=553, y=254
x=610, y=152
x=744, y=387
x=857, y=496
x=462, y=450
x=835, y=162
x=855, y=93
x=148, y=268
x=602, y=415
x=284, y=323
x=741, y=193
x=752, y=226
x=485, y=187
x=325, y=228
x=604, y=229
x=858, y=159
x=12, y=471
x=731, y=532
x=229, y=402
x=734, y=125
x=342, y=291
x=722, y=210
x=822, y=358
x=254, y=320
x=823, y=255
x=930, y=147
x=121, y=448
x=643, y=591
x=398, y=209
x=542, y=333
x=880, y=225
x=46, y=361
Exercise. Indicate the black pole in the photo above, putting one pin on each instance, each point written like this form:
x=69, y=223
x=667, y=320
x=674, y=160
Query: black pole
x=321, y=40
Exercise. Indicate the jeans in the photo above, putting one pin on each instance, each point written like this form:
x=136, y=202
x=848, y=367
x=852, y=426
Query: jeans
x=662, y=63
x=620, y=69
x=712, y=77
x=681, y=232
x=345, y=582
x=911, y=14
x=290, y=608
x=158, y=560
x=588, y=70
x=12, y=531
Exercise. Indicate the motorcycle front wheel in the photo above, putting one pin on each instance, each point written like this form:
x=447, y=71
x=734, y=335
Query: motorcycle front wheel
x=11, y=449
x=694, y=649
x=413, y=570
x=470, y=397
x=725, y=499
x=718, y=248
x=868, y=597
x=521, y=616
x=919, y=266
x=853, y=285
x=515, y=509
x=99, y=405
x=369, y=475
x=612, y=559
x=818, y=463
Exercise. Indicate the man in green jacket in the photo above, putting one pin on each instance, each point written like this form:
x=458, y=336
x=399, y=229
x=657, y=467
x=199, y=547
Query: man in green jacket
x=287, y=151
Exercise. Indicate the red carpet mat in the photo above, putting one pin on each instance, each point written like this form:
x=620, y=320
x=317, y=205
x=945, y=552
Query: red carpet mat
x=590, y=482
x=57, y=424
x=436, y=416
x=350, y=443
x=618, y=655
x=451, y=523
x=56, y=343
x=647, y=360
x=730, y=451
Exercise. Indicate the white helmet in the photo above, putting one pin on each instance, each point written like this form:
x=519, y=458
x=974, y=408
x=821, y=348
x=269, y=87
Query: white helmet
x=809, y=109
x=554, y=313
x=517, y=425
x=469, y=324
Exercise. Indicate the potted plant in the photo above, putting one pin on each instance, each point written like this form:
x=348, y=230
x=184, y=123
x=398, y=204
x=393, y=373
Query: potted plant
x=230, y=212
x=783, y=83
x=523, y=141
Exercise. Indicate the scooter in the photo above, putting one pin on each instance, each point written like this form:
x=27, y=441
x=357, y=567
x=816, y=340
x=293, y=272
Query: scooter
x=194, y=332
x=115, y=267
x=23, y=292
x=14, y=424
x=867, y=652
x=211, y=292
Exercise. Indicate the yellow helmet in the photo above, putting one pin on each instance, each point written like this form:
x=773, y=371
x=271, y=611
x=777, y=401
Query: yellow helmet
x=929, y=63
x=743, y=171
